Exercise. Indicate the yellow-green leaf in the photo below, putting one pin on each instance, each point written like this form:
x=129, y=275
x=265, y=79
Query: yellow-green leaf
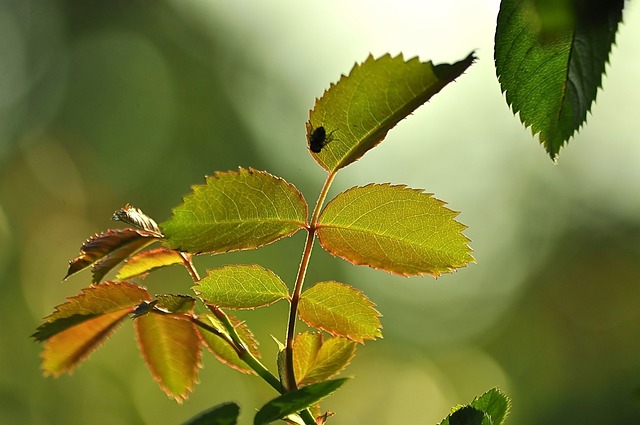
x=147, y=261
x=241, y=286
x=340, y=310
x=357, y=112
x=394, y=228
x=78, y=326
x=222, y=350
x=316, y=360
x=170, y=345
x=235, y=210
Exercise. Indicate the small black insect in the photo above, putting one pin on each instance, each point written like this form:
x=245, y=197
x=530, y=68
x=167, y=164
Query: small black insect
x=319, y=138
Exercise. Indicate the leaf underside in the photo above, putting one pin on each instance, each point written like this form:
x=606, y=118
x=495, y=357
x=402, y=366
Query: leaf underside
x=234, y=211
x=550, y=57
x=144, y=262
x=340, y=310
x=394, y=228
x=359, y=110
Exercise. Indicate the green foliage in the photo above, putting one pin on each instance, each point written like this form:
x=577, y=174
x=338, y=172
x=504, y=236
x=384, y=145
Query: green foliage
x=550, y=57
x=491, y=408
x=389, y=227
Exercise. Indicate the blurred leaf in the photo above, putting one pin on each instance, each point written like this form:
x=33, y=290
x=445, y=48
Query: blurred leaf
x=106, y=250
x=135, y=217
x=340, y=310
x=236, y=210
x=171, y=348
x=295, y=401
x=221, y=348
x=147, y=261
x=241, y=286
x=394, y=228
x=315, y=360
x=78, y=326
x=491, y=408
x=359, y=110
x=550, y=57
x=222, y=414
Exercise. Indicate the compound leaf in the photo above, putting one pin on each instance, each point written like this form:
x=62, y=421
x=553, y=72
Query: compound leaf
x=170, y=345
x=316, y=360
x=241, y=286
x=394, y=228
x=550, y=57
x=340, y=310
x=234, y=211
x=78, y=326
x=295, y=401
x=147, y=261
x=357, y=112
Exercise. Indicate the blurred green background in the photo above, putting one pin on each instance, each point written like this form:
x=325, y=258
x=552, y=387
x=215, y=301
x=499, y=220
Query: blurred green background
x=104, y=103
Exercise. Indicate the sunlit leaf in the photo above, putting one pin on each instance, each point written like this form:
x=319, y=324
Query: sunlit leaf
x=147, y=261
x=241, y=286
x=491, y=408
x=550, y=57
x=106, y=250
x=357, y=112
x=340, y=310
x=316, y=360
x=295, y=401
x=135, y=217
x=222, y=414
x=170, y=345
x=222, y=350
x=394, y=228
x=78, y=326
x=235, y=210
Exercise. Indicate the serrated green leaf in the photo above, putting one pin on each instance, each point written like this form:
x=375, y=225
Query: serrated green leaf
x=222, y=414
x=78, y=326
x=175, y=304
x=104, y=251
x=222, y=350
x=241, y=286
x=147, y=261
x=316, y=360
x=357, y=112
x=296, y=401
x=394, y=228
x=468, y=415
x=340, y=310
x=550, y=57
x=170, y=346
x=495, y=404
x=234, y=211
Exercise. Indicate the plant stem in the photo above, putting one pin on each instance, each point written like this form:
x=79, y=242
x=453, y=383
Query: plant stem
x=295, y=297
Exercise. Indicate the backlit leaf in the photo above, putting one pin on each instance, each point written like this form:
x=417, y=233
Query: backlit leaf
x=340, y=310
x=78, y=326
x=491, y=408
x=357, y=112
x=147, y=261
x=295, y=401
x=550, y=57
x=170, y=345
x=222, y=414
x=394, y=228
x=316, y=360
x=135, y=217
x=176, y=304
x=241, y=286
x=235, y=210
x=104, y=251
x=222, y=350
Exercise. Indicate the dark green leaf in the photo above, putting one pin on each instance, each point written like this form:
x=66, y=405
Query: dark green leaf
x=295, y=401
x=222, y=414
x=495, y=404
x=550, y=57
